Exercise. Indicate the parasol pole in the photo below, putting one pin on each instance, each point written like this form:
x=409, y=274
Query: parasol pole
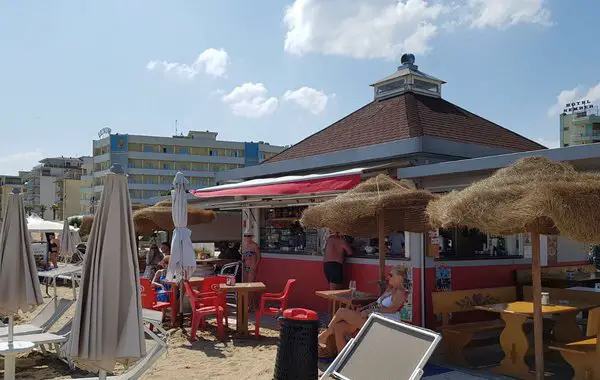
x=382, y=249
x=538, y=330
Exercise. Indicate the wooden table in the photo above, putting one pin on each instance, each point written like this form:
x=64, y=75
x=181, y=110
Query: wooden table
x=513, y=340
x=344, y=297
x=242, y=291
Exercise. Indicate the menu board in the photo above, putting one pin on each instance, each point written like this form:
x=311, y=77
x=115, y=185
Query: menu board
x=312, y=240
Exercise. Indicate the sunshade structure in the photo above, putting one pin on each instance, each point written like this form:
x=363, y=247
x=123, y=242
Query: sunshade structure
x=159, y=218
x=107, y=326
x=37, y=224
x=183, y=258
x=156, y=218
x=68, y=247
x=18, y=275
x=374, y=208
x=535, y=195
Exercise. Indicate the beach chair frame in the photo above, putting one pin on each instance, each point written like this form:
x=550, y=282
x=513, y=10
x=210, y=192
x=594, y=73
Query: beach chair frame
x=333, y=369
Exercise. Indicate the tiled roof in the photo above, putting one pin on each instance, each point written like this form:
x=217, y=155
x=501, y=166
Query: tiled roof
x=402, y=117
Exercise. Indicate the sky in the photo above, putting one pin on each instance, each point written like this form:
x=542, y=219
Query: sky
x=276, y=70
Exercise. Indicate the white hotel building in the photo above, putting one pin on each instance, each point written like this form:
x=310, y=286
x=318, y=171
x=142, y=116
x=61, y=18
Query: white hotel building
x=151, y=162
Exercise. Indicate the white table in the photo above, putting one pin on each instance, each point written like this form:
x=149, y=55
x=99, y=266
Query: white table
x=10, y=352
x=64, y=270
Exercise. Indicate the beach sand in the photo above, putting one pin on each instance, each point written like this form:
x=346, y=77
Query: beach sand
x=206, y=358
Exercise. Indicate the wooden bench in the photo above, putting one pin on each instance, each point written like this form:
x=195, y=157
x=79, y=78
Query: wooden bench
x=457, y=336
x=584, y=355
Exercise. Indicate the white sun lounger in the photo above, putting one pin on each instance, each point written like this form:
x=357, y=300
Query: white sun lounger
x=44, y=339
x=43, y=320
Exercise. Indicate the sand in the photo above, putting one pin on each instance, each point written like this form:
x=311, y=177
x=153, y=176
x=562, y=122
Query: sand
x=206, y=358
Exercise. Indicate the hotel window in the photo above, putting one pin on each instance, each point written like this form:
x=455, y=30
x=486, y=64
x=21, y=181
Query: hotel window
x=133, y=147
x=151, y=164
x=135, y=164
x=150, y=180
x=196, y=181
x=165, y=180
x=182, y=166
x=199, y=167
x=232, y=166
x=199, y=151
x=182, y=150
x=166, y=165
x=213, y=152
x=167, y=149
x=150, y=148
x=217, y=167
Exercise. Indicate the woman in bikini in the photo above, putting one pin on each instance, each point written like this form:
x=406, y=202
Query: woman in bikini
x=347, y=321
x=54, y=249
x=250, y=257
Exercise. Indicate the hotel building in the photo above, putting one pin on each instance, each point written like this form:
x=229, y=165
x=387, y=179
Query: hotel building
x=152, y=161
x=579, y=124
x=7, y=184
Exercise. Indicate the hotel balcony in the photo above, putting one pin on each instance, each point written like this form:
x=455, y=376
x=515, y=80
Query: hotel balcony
x=586, y=139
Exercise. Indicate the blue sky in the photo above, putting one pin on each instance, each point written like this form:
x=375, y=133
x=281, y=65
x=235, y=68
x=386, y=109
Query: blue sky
x=277, y=71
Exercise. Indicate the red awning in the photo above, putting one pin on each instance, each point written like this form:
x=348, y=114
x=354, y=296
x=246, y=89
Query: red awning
x=310, y=185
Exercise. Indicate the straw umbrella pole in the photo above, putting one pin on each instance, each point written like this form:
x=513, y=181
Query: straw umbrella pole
x=535, y=195
x=374, y=208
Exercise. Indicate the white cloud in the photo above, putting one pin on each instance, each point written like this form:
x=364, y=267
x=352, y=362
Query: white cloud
x=360, y=28
x=251, y=100
x=308, y=98
x=388, y=28
x=213, y=62
x=578, y=93
x=549, y=143
x=12, y=163
x=504, y=13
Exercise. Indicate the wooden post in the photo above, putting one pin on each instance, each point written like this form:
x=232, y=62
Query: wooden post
x=382, y=249
x=538, y=330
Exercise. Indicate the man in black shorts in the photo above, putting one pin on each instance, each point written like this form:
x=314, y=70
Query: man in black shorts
x=333, y=261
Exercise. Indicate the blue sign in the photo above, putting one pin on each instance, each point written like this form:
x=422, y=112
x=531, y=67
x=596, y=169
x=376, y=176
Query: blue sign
x=251, y=154
x=118, y=143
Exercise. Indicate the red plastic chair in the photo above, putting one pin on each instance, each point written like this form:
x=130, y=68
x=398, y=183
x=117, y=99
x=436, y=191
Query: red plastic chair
x=282, y=298
x=149, y=300
x=204, y=305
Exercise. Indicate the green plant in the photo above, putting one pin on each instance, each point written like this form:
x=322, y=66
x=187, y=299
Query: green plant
x=75, y=221
x=54, y=208
x=42, y=209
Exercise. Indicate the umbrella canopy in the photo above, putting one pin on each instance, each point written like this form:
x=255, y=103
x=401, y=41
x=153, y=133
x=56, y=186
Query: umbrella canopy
x=37, y=224
x=533, y=195
x=156, y=218
x=68, y=247
x=107, y=326
x=183, y=258
x=357, y=212
x=18, y=273
x=160, y=218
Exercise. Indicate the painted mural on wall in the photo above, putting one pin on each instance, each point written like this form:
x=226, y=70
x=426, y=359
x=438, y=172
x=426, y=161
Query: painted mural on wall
x=118, y=143
x=406, y=313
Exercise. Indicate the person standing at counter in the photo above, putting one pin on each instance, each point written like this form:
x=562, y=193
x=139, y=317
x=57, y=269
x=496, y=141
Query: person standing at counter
x=333, y=261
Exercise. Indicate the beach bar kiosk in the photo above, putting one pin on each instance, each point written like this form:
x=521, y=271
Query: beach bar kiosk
x=409, y=131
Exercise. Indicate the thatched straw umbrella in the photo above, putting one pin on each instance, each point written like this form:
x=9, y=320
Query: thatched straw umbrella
x=374, y=208
x=160, y=218
x=155, y=218
x=536, y=196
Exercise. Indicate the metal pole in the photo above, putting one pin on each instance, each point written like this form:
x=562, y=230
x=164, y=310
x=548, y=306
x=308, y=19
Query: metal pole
x=538, y=329
x=102, y=375
x=382, y=250
x=11, y=323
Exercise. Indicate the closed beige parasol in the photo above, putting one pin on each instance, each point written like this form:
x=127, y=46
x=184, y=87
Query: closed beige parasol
x=107, y=327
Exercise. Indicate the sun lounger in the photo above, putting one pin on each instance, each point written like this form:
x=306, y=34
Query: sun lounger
x=43, y=320
x=43, y=339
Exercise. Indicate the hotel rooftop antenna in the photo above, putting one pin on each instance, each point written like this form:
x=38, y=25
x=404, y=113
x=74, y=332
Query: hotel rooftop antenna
x=175, y=127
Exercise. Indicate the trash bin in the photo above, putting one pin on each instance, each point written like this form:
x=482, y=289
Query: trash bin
x=297, y=354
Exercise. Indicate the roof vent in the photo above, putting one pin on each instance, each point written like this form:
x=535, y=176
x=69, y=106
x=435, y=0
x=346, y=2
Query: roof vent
x=407, y=59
